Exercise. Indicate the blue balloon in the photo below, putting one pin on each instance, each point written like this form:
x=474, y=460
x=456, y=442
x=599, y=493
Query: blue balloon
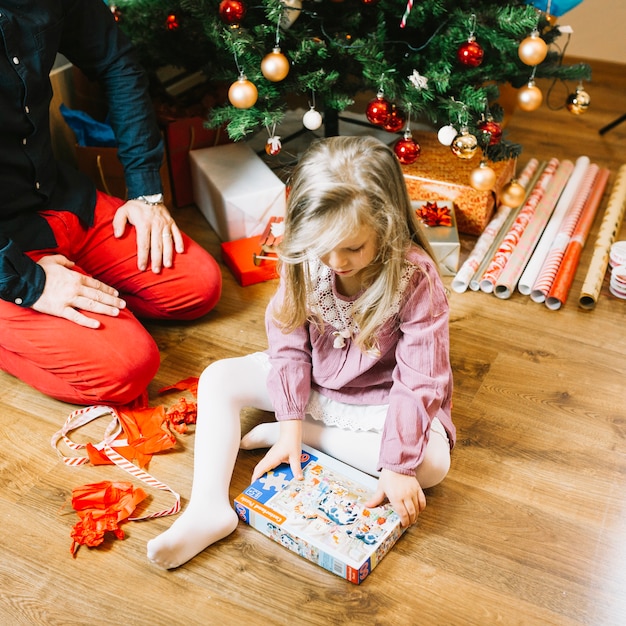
x=557, y=7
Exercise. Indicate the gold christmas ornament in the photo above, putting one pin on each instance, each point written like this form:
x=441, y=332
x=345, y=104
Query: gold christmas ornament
x=530, y=97
x=512, y=194
x=242, y=93
x=578, y=103
x=275, y=65
x=483, y=178
x=533, y=50
x=464, y=145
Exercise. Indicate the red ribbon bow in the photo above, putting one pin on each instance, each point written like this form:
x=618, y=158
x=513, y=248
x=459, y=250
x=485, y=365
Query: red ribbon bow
x=432, y=214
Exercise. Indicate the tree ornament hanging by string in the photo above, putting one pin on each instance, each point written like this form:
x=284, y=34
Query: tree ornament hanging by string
x=533, y=50
x=578, y=102
x=483, y=178
x=512, y=194
x=232, y=12
x=465, y=145
x=471, y=52
x=378, y=109
x=312, y=119
x=243, y=94
x=529, y=98
x=407, y=149
x=275, y=65
x=492, y=129
x=273, y=146
x=395, y=120
x=446, y=134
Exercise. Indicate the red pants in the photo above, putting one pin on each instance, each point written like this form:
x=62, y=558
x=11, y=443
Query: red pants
x=115, y=363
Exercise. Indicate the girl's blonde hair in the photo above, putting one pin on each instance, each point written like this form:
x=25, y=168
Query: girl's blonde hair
x=339, y=185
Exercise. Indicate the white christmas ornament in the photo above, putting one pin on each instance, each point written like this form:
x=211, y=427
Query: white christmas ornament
x=312, y=119
x=447, y=134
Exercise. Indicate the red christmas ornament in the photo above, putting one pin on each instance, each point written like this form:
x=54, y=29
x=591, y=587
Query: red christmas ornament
x=171, y=22
x=378, y=110
x=494, y=129
x=395, y=120
x=370, y=3
x=470, y=53
x=273, y=146
x=232, y=12
x=406, y=149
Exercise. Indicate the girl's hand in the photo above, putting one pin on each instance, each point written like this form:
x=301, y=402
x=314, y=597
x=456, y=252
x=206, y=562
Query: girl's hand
x=404, y=494
x=287, y=449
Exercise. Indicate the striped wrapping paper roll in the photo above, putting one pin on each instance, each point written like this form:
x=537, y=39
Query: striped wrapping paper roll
x=511, y=239
x=611, y=222
x=463, y=277
x=553, y=259
x=505, y=285
x=565, y=276
x=474, y=283
x=563, y=206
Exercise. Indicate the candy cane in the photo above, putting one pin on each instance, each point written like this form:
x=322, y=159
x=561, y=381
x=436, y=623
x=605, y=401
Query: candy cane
x=407, y=11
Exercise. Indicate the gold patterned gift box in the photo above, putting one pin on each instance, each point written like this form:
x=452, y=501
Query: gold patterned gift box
x=439, y=175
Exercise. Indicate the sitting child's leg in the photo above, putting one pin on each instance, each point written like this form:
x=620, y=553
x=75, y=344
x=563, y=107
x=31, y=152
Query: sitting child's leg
x=225, y=388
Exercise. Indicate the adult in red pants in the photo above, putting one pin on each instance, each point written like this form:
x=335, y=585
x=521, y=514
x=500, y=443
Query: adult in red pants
x=77, y=266
x=101, y=352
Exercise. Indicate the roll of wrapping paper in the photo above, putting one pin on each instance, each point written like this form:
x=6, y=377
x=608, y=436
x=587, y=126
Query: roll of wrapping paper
x=474, y=283
x=565, y=276
x=550, y=267
x=463, y=277
x=511, y=239
x=505, y=285
x=611, y=222
x=540, y=252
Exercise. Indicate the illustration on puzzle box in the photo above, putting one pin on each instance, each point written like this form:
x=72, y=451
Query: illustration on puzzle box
x=326, y=507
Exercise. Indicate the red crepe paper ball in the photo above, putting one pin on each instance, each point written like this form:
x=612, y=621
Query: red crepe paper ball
x=407, y=150
x=494, y=129
x=275, y=66
x=395, y=120
x=232, y=11
x=243, y=94
x=470, y=53
x=378, y=110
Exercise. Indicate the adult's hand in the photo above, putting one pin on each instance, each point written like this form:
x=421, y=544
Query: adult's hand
x=67, y=292
x=158, y=236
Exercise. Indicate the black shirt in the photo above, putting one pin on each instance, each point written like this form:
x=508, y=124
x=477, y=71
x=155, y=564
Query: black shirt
x=31, y=179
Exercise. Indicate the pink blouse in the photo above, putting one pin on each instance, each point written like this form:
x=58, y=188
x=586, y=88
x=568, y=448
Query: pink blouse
x=412, y=373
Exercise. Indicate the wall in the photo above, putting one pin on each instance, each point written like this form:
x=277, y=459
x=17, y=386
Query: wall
x=598, y=30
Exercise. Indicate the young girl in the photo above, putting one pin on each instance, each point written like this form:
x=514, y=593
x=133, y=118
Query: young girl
x=357, y=364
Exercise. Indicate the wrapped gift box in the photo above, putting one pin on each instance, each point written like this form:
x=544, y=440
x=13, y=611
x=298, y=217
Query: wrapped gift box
x=242, y=258
x=439, y=175
x=235, y=190
x=439, y=225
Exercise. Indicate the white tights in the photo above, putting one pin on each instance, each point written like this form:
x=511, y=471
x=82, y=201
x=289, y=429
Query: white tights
x=225, y=388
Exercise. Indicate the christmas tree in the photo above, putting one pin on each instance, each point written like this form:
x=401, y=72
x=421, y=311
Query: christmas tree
x=439, y=61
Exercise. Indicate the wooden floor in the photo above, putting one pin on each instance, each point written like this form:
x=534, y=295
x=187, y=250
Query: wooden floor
x=528, y=528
